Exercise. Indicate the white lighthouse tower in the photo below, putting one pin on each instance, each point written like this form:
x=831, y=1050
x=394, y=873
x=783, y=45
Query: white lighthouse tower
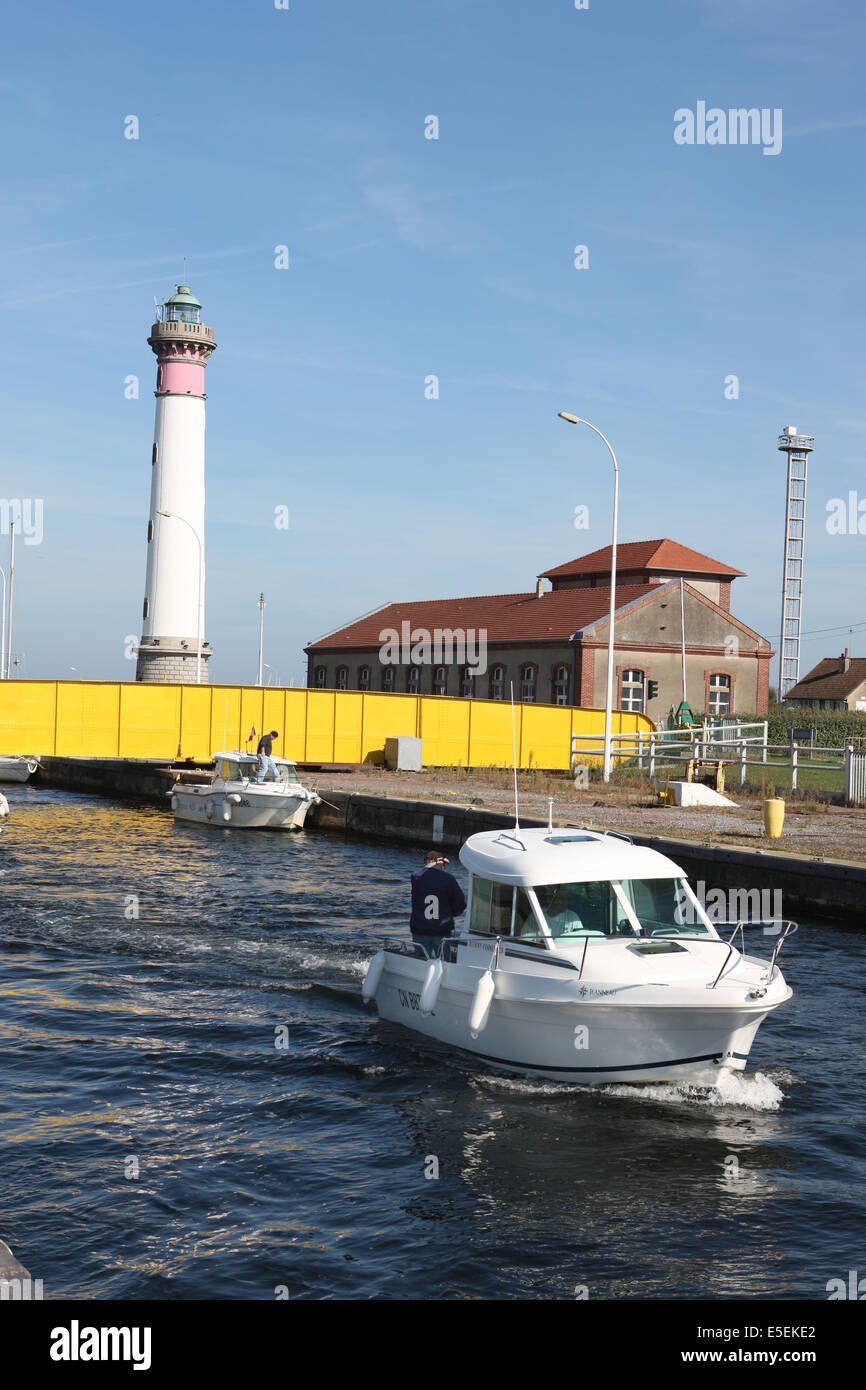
x=172, y=646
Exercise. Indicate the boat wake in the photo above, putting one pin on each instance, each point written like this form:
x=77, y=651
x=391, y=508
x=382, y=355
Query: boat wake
x=748, y=1092
x=727, y=1088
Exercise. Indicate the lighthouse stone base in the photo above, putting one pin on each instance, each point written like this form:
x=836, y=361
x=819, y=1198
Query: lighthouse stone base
x=170, y=660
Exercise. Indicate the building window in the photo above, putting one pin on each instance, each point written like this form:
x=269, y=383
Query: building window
x=149, y=532
x=319, y=677
x=467, y=682
x=497, y=682
x=527, y=684
x=560, y=685
x=440, y=681
x=388, y=679
x=363, y=678
x=632, y=691
x=342, y=678
x=413, y=680
x=145, y=608
x=720, y=694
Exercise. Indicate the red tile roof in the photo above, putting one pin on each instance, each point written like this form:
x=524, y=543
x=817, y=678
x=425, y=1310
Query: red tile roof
x=650, y=555
x=826, y=682
x=554, y=617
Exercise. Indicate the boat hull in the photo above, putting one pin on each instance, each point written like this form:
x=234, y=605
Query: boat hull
x=17, y=769
x=589, y=1041
x=250, y=811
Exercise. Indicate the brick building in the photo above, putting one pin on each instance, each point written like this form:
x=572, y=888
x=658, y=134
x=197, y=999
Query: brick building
x=552, y=643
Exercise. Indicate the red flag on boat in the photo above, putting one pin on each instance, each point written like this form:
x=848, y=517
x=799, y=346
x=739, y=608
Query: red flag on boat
x=252, y=734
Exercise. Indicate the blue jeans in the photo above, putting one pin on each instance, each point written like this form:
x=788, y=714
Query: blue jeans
x=432, y=944
x=266, y=763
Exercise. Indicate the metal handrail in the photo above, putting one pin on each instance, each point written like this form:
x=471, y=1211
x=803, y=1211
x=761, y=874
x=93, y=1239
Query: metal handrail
x=737, y=928
x=789, y=927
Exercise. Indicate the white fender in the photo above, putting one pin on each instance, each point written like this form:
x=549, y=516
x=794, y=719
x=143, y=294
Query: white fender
x=482, y=999
x=208, y=809
x=4, y=806
x=234, y=798
x=174, y=803
x=373, y=976
x=432, y=982
x=227, y=811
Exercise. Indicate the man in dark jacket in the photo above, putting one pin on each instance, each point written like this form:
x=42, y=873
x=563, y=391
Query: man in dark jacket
x=437, y=899
x=265, y=749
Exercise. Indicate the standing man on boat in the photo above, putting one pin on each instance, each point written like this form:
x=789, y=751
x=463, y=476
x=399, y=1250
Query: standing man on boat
x=437, y=899
x=265, y=750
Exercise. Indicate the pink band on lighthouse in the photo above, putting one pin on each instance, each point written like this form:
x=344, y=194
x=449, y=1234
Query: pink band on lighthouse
x=181, y=378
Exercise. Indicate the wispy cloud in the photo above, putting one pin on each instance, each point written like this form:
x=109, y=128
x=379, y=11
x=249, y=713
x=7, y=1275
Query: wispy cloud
x=819, y=127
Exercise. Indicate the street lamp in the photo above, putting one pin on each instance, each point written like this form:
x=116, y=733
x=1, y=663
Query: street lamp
x=261, y=636
x=3, y=638
x=175, y=516
x=608, y=703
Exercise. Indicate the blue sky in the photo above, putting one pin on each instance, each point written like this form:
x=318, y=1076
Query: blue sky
x=412, y=257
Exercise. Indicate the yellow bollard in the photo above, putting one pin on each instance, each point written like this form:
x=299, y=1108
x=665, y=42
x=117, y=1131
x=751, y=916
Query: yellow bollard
x=774, y=817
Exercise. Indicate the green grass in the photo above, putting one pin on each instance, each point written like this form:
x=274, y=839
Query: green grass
x=775, y=774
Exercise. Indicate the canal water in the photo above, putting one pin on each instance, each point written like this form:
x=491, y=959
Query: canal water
x=195, y=1103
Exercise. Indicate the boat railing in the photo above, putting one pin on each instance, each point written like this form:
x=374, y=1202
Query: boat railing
x=510, y=835
x=730, y=952
x=790, y=927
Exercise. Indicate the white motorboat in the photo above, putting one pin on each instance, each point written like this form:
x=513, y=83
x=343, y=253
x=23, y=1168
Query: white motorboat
x=586, y=958
x=234, y=797
x=17, y=769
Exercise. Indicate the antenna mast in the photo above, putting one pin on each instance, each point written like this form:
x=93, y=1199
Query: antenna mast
x=514, y=753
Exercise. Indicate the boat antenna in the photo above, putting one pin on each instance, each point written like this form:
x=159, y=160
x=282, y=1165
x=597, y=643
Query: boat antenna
x=514, y=752
x=550, y=815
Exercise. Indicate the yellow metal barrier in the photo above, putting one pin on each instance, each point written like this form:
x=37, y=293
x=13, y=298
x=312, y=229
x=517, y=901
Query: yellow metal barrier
x=120, y=719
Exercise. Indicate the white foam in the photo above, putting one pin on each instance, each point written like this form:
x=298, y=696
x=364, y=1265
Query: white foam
x=724, y=1088
x=530, y=1088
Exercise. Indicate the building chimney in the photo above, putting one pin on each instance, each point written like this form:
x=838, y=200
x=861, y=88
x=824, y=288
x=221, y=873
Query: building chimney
x=539, y=588
x=844, y=661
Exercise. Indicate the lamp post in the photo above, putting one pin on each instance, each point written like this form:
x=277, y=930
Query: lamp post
x=175, y=517
x=3, y=638
x=608, y=703
x=11, y=599
x=261, y=635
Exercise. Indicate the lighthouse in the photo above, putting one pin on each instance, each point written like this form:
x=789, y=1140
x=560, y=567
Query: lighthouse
x=172, y=646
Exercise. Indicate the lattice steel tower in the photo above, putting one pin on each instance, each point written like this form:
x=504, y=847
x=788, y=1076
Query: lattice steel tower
x=798, y=447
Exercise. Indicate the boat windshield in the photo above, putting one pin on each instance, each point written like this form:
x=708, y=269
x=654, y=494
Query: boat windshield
x=231, y=771
x=661, y=906
x=583, y=909
x=664, y=907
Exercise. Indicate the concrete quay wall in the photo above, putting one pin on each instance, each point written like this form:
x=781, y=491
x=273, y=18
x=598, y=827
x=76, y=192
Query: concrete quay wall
x=811, y=887
x=833, y=888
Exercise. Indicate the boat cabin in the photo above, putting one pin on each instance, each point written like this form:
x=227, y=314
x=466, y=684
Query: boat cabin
x=553, y=888
x=238, y=766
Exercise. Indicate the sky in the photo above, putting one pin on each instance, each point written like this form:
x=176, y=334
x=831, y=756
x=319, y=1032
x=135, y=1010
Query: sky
x=411, y=258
